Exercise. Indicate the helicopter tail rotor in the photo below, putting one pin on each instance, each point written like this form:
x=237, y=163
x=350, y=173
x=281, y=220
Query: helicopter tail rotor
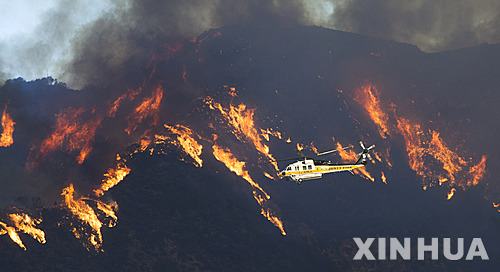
x=365, y=154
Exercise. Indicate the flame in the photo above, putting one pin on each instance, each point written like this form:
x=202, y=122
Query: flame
x=26, y=224
x=451, y=193
x=452, y=163
x=266, y=212
x=109, y=211
x=477, y=171
x=425, y=148
x=384, y=179
x=112, y=178
x=21, y=222
x=268, y=176
x=226, y=157
x=144, y=143
x=6, y=138
x=270, y=132
x=71, y=133
x=368, y=97
x=186, y=140
x=86, y=214
x=130, y=94
x=11, y=231
x=348, y=155
x=149, y=107
x=232, y=91
x=313, y=148
x=422, y=146
x=243, y=123
x=300, y=147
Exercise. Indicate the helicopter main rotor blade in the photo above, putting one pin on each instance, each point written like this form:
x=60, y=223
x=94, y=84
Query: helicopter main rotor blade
x=333, y=150
x=362, y=145
x=271, y=161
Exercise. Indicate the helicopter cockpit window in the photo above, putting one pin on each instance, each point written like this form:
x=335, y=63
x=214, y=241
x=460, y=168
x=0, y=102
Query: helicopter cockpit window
x=288, y=168
x=309, y=167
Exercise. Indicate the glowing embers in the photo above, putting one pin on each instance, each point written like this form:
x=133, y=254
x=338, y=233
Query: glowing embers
x=88, y=225
x=241, y=120
x=186, y=140
x=477, y=172
x=6, y=139
x=368, y=97
x=73, y=132
x=149, y=108
x=21, y=222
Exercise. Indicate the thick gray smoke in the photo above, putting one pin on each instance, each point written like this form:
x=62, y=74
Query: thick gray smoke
x=81, y=43
x=431, y=25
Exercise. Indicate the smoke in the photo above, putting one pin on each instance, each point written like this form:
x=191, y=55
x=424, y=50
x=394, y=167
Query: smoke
x=132, y=34
x=431, y=25
x=41, y=48
x=81, y=43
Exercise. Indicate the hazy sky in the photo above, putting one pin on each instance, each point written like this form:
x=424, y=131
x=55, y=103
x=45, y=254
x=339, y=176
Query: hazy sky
x=40, y=38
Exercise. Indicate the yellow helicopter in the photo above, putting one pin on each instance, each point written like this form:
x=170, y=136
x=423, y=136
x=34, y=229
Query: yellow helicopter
x=307, y=168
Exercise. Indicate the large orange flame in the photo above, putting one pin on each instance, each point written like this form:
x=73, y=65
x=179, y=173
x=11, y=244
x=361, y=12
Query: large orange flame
x=148, y=108
x=112, y=178
x=428, y=154
x=6, y=138
x=368, y=97
x=242, y=121
x=422, y=145
x=26, y=224
x=11, y=231
x=21, y=222
x=186, y=140
x=71, y=133
x=225, y=156
x=85, y=214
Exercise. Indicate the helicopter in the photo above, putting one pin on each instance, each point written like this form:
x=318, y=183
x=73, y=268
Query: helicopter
x=307, y=168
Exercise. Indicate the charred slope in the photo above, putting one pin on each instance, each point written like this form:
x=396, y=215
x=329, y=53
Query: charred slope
x=303, y=82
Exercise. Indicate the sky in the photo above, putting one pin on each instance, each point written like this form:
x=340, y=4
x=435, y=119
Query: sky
x=53, y=37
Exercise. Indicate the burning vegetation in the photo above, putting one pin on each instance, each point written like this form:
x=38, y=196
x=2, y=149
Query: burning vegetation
x=20, y=222
x=428, y=153
x=6, y=138
x=130, y=122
